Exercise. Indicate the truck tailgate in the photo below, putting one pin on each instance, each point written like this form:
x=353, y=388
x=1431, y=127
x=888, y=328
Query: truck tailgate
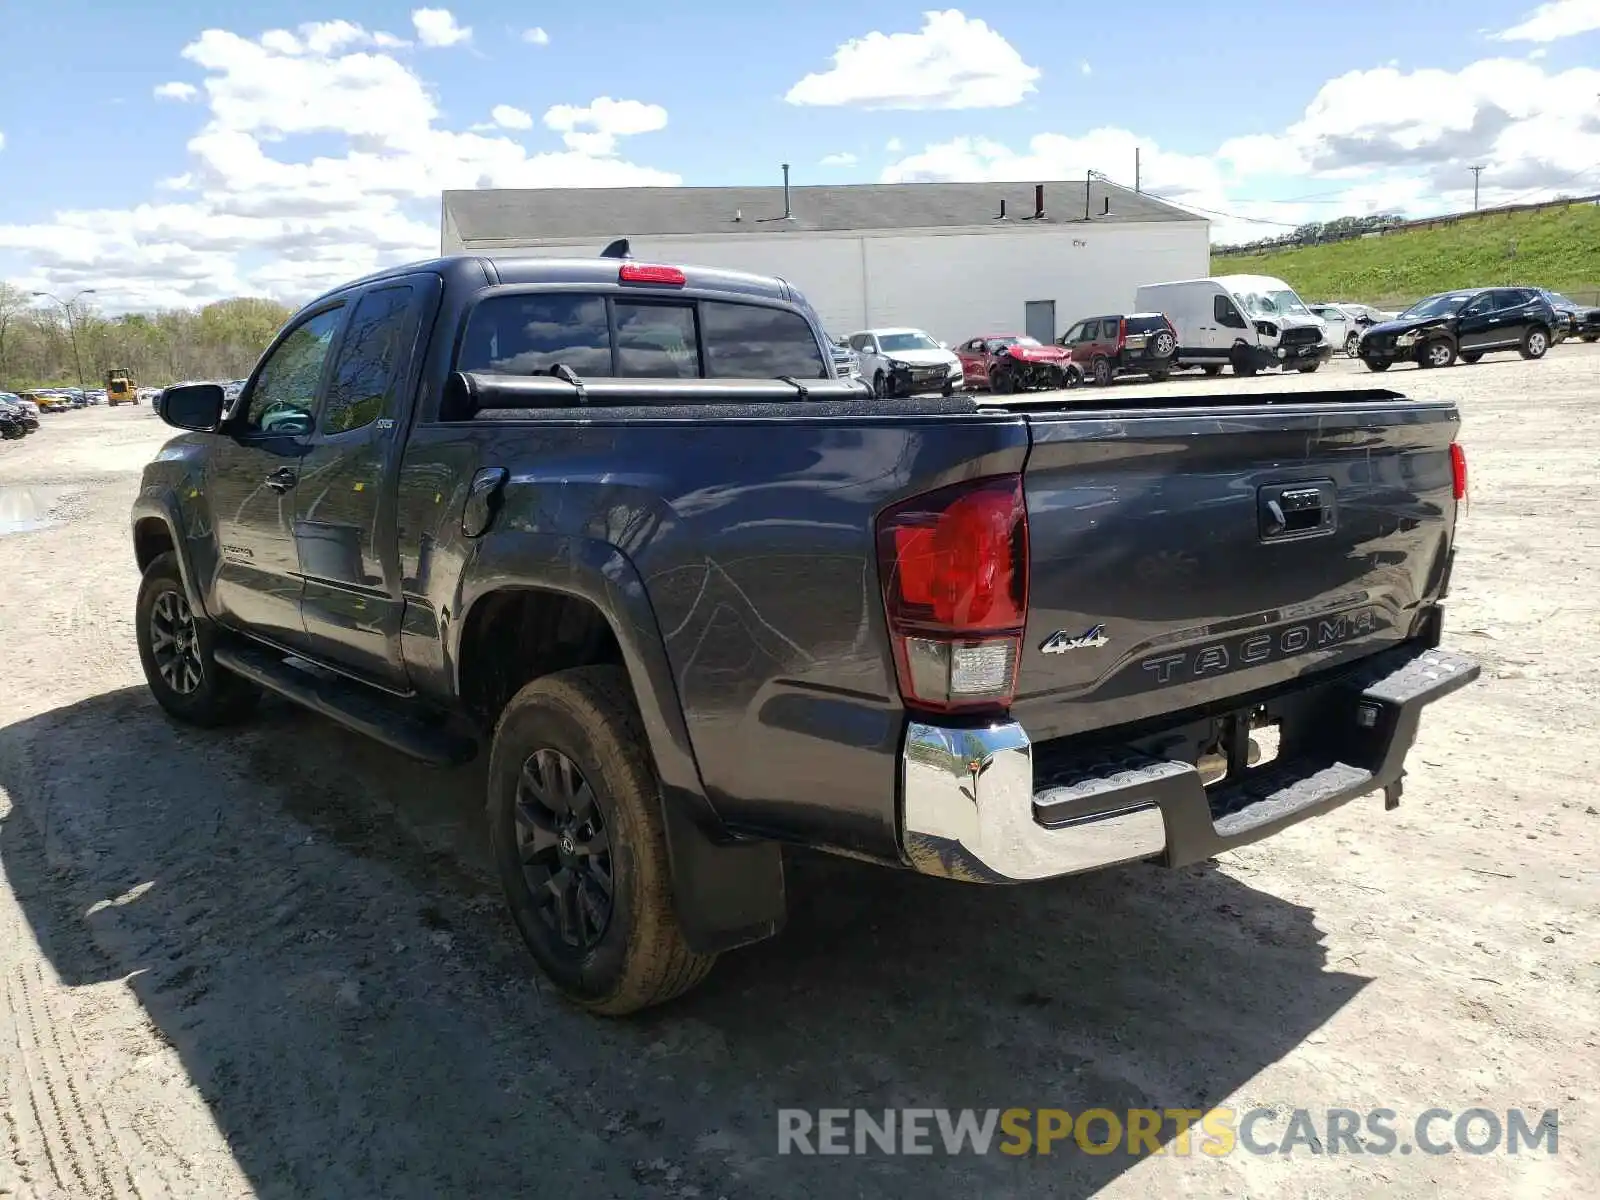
x=1181, y=556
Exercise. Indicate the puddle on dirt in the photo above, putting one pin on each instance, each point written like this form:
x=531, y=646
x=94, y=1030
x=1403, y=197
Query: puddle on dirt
x=25, y=509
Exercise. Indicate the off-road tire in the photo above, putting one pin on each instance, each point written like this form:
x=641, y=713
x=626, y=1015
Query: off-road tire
x=221, y=698
x=642, y=958
x=1535, y=343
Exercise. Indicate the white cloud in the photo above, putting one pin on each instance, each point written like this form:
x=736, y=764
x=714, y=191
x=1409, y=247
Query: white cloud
x=894, y=146
x=1532, y=129
x=511, y=118
x=1380, y=140
x=1085, y=69
x=953, y=62
x=176, y=91
x=1555, y=20
x=249, y=216
x=2, y=141
x=536, y=36
x=437, y=27
x=595, y=128
x=842, y=159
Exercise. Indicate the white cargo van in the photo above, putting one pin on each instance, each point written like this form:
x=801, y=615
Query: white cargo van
x=1248, y=322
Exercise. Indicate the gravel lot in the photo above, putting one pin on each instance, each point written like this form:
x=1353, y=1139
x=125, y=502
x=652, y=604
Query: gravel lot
x=273, y=962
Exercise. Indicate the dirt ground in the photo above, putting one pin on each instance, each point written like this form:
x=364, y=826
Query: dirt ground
x=273, y=961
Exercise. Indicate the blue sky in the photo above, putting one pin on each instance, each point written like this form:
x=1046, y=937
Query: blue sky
x=279, y=162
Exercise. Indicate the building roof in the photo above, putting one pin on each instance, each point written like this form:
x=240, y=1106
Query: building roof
x=525, y=215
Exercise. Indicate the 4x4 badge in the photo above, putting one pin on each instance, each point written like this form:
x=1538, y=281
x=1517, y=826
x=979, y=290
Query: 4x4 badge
x=1061, y=641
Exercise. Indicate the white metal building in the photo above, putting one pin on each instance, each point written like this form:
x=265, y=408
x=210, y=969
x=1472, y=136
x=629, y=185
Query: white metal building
x=956, y=259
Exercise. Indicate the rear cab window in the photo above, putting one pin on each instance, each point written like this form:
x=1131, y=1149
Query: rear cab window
x=599, y=336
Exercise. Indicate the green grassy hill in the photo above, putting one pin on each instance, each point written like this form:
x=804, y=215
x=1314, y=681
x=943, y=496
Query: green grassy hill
x=1556, y=248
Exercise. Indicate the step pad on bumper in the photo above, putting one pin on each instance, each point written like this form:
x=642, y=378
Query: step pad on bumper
x=1276, y=790
x=1434, y=674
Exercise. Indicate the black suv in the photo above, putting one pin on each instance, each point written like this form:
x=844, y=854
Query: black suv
x=1468, y=323
x=1105, y=347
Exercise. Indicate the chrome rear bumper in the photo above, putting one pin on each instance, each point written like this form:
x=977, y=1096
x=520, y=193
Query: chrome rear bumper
x=969, y=812
x=976, y=806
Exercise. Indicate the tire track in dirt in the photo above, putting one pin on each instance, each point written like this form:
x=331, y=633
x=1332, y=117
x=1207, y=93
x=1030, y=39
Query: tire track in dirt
x=76, y=1138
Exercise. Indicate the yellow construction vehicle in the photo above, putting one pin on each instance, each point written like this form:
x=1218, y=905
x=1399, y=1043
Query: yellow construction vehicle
x=120, y=387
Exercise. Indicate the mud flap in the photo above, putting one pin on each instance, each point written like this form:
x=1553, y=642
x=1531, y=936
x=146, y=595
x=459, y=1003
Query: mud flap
x=726, y=894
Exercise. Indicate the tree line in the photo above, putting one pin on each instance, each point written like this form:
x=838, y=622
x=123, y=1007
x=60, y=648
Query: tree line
x=43, y=344
x=1316, y=232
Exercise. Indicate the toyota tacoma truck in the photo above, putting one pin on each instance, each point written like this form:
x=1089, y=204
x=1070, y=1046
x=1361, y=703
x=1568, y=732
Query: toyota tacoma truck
x=617, y=526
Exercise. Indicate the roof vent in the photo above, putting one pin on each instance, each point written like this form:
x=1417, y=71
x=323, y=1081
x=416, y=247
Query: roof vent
x=617, y=249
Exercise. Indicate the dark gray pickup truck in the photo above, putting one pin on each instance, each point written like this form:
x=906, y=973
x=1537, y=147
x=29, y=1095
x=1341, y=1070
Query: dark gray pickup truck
x=619, y=525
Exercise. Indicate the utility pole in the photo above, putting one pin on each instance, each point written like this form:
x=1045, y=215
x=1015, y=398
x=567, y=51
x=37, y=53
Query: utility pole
x=1136, y=169
x=72, y=329
x=1476, y=171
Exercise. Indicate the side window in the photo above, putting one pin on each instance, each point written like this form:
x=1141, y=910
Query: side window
x=1225, y=313
x=364, y=366
x=285, y=392
x=1089, y=331
x=656, y=341
x=1075, y=334
x=751, y=341
x=1478, y=306
x=858, y=343
x=529, y=334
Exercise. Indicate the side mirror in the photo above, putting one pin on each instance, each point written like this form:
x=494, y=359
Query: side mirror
x=194, y=406
x=944, y=345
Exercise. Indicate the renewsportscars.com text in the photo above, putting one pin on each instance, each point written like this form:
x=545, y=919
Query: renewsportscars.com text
x=1217, y=1132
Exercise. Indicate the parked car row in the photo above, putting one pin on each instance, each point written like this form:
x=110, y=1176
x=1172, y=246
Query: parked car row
x=18, y=416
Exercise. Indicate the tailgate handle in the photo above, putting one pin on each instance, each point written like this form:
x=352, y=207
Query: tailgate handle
x=1296, y=510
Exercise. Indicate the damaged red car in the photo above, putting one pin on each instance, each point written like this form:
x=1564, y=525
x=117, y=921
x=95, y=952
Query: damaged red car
x=1013, y=362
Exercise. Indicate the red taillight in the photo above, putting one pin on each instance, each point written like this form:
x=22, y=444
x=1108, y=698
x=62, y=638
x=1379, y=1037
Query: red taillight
x=1458, y=471
x=954, y=565
x=640, y=273
x=1122, y=334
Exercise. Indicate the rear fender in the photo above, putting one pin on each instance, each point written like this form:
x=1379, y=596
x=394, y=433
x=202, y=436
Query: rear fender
x=727, y=892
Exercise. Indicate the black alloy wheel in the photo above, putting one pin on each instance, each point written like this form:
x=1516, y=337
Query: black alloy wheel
x=565, y=850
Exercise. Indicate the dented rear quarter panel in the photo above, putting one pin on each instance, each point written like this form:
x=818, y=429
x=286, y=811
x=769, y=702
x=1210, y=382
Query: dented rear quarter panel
x=753, y=541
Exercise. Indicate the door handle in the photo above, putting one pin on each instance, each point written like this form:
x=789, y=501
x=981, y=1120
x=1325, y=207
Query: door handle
x=281, y=480
x=1291, y=511
x=483, y=500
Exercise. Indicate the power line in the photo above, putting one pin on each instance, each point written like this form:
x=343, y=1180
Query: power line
x=1230, y=216
x=1544, y=187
